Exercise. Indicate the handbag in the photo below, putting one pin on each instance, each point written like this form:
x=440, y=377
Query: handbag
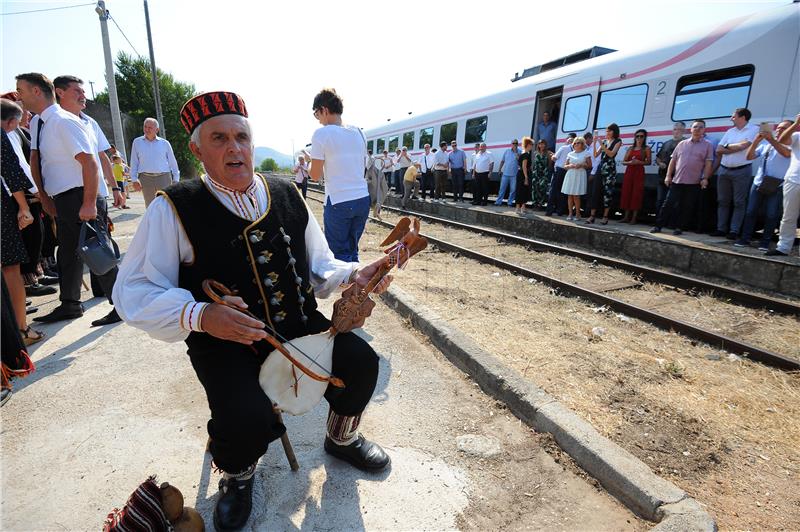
x=99, y=253
x=769, y=185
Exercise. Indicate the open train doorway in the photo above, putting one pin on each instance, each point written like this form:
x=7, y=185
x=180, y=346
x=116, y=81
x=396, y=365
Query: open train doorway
x=547, y=101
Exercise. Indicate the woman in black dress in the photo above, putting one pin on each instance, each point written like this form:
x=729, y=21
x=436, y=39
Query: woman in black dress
x=524, y=176
x=14, y=216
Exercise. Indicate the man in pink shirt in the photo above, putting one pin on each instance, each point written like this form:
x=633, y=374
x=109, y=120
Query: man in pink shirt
x=688, y=171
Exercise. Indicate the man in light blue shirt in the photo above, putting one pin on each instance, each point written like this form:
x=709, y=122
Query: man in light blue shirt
x=546, y=130
x=774, y=163
x=458, y=163
x=509, y=166
x=153, y=164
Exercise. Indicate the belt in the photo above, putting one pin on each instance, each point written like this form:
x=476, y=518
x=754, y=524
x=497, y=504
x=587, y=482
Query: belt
x=154, y=173
x=70, y=191
x=735, y=167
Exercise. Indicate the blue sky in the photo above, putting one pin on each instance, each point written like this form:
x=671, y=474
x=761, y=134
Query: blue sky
x=385, y=61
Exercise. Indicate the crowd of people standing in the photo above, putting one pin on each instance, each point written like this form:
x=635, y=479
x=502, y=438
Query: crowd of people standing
x=579, y=178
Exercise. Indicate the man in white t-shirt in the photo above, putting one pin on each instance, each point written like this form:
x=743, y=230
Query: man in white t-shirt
x=791, y=192
x=482, y=165
x=556, y=201
x=72, y=98
x=426, y=163
x=735, y=174
x=341, y=152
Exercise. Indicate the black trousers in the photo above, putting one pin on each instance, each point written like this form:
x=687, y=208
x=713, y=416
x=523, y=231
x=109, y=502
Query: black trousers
x=49, y=240
x=678, y=206
x=427, y=183
x=556, y=201
x=480, y=194
x=70, y=265
x=243, y=422
x=33, y=237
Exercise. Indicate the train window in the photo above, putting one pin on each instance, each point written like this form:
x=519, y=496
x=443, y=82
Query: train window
x=623, y=106
x=380, y=145
x=576, y=113
x=425, y=137
x=370, y=145
x=447, y=133
x=712, y=94
x=393, y=143
x=408, y=140
x=476, y=130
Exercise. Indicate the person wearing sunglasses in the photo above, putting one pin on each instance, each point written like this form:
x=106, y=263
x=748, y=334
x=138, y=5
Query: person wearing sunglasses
x=636, y=158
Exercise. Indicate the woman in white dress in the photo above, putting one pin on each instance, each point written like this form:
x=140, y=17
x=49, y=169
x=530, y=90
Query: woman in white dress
x=578, y=161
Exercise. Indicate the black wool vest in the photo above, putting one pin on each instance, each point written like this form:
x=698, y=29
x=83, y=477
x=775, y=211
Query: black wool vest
x=264, y=261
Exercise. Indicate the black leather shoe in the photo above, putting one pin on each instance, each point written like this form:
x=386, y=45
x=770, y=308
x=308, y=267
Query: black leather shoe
x=37, y=289
x=234, y=504
x=61, y=312
x=5, y=395
x=31, y=310
x=775, y=253
x=48, y=280
x=108, y=319
x=362, y=453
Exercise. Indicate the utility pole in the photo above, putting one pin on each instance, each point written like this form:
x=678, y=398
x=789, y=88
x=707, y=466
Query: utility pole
x=116, y=120
x=156, y=93
x=91, y=84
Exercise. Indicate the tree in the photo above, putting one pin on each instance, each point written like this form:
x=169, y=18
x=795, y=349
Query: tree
x=268, y=165
x=135, y=93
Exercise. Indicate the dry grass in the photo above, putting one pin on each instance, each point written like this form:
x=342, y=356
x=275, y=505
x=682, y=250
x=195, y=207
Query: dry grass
x=725, y=429
x=734, y=321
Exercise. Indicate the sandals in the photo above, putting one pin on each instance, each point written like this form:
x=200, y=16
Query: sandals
x=590, y=220
x=31, y=336
x=604, y=222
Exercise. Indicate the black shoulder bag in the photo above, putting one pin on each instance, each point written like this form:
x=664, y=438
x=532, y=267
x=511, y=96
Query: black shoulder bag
x=769, y=185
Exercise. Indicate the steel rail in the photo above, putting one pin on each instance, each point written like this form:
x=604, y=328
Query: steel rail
x=659, y=320
x=741, y=297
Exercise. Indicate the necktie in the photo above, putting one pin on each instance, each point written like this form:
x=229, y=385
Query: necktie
x=39, y=126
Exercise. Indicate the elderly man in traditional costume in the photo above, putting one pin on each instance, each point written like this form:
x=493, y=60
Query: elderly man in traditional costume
x=257, y=236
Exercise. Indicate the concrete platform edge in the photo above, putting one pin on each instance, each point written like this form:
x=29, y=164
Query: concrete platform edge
x=623, y=475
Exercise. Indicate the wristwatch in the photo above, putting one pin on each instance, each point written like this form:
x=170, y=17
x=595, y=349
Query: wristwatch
x=725, y=146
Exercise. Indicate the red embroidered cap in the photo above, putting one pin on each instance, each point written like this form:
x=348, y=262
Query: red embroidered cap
x=208, y=105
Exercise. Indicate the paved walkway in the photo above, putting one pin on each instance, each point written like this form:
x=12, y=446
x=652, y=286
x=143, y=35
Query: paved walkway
x=108, y=407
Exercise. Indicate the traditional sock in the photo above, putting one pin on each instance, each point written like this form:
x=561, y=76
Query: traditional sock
x=245, y=474
x=343, y=430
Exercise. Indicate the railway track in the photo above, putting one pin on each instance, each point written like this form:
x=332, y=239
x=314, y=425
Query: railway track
x=648, y=315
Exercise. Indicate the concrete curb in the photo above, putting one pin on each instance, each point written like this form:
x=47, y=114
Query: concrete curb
x=626, y=477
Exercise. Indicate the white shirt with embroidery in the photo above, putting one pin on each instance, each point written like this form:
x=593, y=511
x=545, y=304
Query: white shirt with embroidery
x=146, y=292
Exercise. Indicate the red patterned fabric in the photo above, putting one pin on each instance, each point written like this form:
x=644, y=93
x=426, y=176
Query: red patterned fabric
x=208, y=105
x=142, y=512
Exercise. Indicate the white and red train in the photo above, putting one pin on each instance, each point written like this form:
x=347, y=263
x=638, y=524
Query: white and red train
x=751, y=61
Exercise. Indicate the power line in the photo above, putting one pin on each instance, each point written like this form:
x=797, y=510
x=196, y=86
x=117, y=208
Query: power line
x=123, y=34
x=47, y=9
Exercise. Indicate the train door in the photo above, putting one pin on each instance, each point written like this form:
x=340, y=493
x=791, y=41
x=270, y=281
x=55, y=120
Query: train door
x=547, y=101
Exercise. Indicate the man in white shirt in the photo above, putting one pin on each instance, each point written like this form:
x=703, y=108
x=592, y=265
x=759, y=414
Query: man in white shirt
x=258, y=234
x=426, y=162
x=556, y=201
x=791, y=192
x=403, y=162
x=482, y=165
x=72, y=98
x=735, y=174
x=153, y=164
x=65, y=170
x=441, y=164
x=339, y=151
